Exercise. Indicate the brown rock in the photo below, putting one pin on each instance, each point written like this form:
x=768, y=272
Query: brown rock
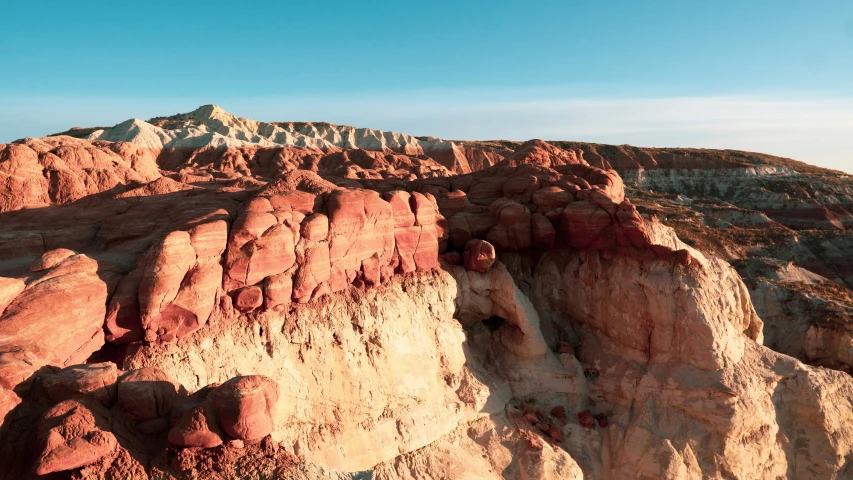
x=559, y=411
x=51, y=259
x=271, y=254
x=96, y=380
x=582, y=223
x=123, y=320
x=248, y=299
x=556, y=434
x=58, y=320
x=550, y=198
x=278, y=290
x=314, y=269
x=147, y=393
x=423, y=209
x=586, y=419
x=543, y=233
x=244, y=406
x=315, y=227
x=69, y=437
x=401, y=208
x=197, y=427
x=478, y=256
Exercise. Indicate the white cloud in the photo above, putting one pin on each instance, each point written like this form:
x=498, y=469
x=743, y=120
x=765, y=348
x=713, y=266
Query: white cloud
x=814, y=130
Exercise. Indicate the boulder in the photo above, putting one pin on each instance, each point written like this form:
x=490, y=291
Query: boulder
x=245, y=405
x=197, y=426
x=70, y=436
x=478, y=256
x=56, y=320
x=278, y=290
x=315, y=227
x=147, y=393
x=542, y=231
x=248, y=298
x=95, y=380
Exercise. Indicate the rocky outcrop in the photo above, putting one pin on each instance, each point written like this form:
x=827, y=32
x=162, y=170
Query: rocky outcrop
x=56, y=319
x=54, y=170
x=303, y=244
x=306, y=300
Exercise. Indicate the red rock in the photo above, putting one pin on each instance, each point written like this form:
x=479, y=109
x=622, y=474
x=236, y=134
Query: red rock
x=123, y=320
x=559, y=411
x=586, y=419
x=40, y=172
x=452, y=202
x=147, y=393
x=632, y=227
x=96, y=380
x=197, y=427
x=401, y=208
x=244, y=406
x=521, y=187
x=271, y=254
x=69, y=437
x=426, y=253
x=602, y=422
x=278, y=290
x=556, y=434
x=582, y=223
x=360, y=224
x=550, y=198
x=542, y=231
x=8, y=401
x=538, y=152
x=177, y=290
x=248, y=299
x=478, y=256
x=259, y=205
x=315, y=227
x=531, y=418
x=406, y=240
x=486, y=190
x=513, y=230
x=51, y=259
x=248, y=227
x=9, y=289
x=313, y=261
x=424, y=209
x=466, y=226
x=303, y=202
x=543, y=427
x=164, y=270
x=57, y=320
x=322, y=289
x=370, y=270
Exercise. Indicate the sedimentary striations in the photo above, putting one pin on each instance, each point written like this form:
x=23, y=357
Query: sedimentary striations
x=220, y=297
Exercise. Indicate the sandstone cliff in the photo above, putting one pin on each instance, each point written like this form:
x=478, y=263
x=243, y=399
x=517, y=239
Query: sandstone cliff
x=224, y=298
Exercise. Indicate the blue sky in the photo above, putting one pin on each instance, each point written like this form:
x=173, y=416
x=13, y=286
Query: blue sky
x=773, y=76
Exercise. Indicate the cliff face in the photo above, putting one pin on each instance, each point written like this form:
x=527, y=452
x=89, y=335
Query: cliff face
x=265, y=309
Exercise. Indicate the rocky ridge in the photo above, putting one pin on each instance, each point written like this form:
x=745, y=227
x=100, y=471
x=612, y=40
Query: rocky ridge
x=316, y=311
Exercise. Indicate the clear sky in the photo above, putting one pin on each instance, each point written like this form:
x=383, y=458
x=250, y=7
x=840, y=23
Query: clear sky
x=767, y=75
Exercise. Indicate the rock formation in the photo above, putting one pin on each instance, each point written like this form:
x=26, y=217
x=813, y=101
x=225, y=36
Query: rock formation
x=205, y=296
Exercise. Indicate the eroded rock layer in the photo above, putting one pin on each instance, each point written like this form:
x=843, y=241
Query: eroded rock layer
x=224, y=298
